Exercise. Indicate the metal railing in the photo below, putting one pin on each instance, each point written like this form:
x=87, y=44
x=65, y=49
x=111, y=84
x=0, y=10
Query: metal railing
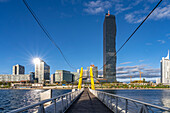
x=58, y=104
x=120, y=104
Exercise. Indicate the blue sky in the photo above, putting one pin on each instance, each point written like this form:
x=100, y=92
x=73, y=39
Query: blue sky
x=77, y=27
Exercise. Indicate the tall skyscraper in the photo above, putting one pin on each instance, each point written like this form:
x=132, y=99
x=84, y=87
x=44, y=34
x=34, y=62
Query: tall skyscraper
x=165, y=70
x=18, y=69
x=42, y=71
x=109, y=49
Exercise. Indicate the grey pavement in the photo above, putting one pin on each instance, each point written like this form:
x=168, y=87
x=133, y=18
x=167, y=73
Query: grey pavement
x=88, y=103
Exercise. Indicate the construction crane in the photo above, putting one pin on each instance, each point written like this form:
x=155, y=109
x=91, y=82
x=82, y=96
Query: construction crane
x=140, y=75
x=130, y=79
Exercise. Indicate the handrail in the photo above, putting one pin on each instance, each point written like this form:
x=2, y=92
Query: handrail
x=75, y=95
x=97, y=93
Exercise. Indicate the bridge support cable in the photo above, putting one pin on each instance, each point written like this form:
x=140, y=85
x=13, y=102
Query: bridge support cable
x=47, y=33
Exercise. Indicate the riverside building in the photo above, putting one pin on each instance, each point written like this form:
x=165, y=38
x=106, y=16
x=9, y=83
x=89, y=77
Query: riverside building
x=165, y=70
x=61, y=75
x=109, y=48
x=18, y=69
x=42, y=71
x=15, y=78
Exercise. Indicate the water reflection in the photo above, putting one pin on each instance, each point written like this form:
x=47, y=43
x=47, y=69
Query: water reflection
x=13, y=99
x=166, y=98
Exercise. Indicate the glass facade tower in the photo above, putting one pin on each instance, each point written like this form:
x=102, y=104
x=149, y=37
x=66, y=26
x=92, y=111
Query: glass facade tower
x=109, y=48
x=42, y=71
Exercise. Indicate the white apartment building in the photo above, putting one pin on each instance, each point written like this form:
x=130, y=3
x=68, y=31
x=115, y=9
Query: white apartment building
x=165, y=70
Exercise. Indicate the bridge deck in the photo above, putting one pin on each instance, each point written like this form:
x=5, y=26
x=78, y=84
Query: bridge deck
x=88, y=103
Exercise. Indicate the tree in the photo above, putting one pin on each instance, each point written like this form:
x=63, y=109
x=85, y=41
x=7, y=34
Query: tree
x=63, y=82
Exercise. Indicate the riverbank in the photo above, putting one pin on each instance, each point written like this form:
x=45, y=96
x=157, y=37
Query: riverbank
x=67, y=88
x=45, y=87
x=132, y=88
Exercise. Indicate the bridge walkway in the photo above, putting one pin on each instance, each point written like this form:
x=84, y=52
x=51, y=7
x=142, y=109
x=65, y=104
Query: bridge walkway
x=88, y=103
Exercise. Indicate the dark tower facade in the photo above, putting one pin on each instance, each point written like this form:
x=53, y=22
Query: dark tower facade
x=109, y=48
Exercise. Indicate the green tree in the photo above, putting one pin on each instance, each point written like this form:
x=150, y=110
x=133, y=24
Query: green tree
x=63, y=82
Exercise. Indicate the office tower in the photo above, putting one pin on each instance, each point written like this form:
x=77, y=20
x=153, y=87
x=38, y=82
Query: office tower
x=165, y=70
x=42, y=71
x=109, y=49
x=18, y=69
x=61, y=75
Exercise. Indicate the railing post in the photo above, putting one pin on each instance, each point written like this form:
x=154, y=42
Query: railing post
x=71, y=97
x=41, y=108
x=55, y=109
x=107, y=100
x=103, y=97
x=126, y=106
x=116, y=104
x=66, y=100
x=62, y=104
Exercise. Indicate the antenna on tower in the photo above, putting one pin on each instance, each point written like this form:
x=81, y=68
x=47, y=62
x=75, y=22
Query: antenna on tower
x=108, y=12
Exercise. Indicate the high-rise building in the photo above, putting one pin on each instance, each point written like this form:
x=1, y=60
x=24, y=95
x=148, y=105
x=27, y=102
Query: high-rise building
x=165, y=70
x=109, y=49
x=42, y=71
x=18, y=69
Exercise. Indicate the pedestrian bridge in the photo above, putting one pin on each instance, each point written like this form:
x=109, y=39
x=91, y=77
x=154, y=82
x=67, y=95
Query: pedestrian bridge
x=91, y=101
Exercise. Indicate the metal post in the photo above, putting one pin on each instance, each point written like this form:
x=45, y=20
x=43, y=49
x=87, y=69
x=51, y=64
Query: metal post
x=66, y=101
x=103, y=97
x=107, y=100
x=55, y=109
x=41, y=108
x=126, y=106
x=116, y=104
x=62, y=104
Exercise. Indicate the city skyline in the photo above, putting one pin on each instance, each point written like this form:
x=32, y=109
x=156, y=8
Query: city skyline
x=70, y=26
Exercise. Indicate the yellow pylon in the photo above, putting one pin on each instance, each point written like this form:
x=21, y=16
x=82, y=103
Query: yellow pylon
x=80, y=78
x=92, y=80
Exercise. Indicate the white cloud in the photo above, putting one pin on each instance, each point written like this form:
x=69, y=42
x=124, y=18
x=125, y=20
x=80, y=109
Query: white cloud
x=141, y=60
x=124, y=72
x=161, y=12
x=95, y=7
x=161, y=41
x=125, y=63
x=120, y=8
x=136, y=16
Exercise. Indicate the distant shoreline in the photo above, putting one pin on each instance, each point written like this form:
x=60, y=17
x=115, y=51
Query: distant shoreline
x=95, y=88
x=131, y=88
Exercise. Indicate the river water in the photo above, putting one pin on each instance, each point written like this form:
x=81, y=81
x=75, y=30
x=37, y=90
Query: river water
x=13, y=99
x=158, y=97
